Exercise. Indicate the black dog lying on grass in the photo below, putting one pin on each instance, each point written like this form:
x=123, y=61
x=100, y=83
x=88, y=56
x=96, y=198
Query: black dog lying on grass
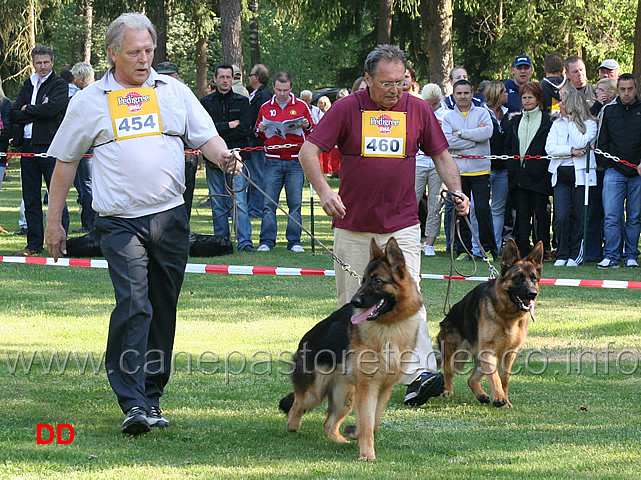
x=199, y=245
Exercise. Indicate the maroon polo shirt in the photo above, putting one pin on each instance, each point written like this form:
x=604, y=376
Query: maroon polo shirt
x=378, y=192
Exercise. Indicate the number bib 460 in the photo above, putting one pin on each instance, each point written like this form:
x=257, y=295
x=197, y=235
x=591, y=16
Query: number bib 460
x=134, y=112
x=384, y=134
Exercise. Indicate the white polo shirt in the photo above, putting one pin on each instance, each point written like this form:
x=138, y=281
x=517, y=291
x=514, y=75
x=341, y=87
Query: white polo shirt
x=137, y=176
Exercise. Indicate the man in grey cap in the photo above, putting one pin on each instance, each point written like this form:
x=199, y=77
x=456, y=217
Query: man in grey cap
x=168, y=68
x=238, y=86
x=609, y=69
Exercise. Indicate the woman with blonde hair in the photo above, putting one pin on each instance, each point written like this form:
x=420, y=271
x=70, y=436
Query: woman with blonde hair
x=323, y=103
x=571, y=136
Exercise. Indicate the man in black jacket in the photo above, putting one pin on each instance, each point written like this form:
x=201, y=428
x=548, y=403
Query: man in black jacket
x=620, y=135
x=232, y=116
x=37, y=113
x=258, y=80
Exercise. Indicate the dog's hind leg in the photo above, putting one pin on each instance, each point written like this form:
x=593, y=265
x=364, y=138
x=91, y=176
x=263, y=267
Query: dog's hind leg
x=304, y=401
x=340, y=403
x=448, y=351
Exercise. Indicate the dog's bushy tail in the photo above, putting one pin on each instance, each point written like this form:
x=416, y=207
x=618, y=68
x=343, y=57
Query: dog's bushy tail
x=286, y=403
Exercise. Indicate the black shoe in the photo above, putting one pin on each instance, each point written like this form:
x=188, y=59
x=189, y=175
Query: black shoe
x=135, y=421
x=22, y=231
x=156, y=418
x=426, y=386
x=247, y=248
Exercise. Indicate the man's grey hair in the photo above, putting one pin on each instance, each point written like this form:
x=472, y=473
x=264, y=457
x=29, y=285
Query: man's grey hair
x=41, y=50
x=116, y=31
x=82, y=70
x=390, y=53
x=306, y=94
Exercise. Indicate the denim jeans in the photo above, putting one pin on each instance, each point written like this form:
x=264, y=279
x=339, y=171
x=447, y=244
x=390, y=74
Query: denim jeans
x=279, y=173
x=33, y=169
x=256, y=166
x=216, y=183
x=499, y=185
x=617, y=190
x=479, y=186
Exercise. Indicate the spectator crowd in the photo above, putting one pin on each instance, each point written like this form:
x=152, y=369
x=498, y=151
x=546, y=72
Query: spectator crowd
x=524, y=150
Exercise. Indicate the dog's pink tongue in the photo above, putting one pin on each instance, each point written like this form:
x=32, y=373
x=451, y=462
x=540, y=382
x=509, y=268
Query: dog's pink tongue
x=361, y=317
x=532, y=310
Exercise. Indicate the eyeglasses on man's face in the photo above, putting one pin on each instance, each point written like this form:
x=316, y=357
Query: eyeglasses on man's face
x=390, y=85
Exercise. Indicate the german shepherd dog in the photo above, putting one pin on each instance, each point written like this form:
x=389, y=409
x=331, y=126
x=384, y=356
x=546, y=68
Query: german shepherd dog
x=490, y=324
x=354, y=356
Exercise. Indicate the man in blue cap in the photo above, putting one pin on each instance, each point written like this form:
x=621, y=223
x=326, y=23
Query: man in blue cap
x=522, y=70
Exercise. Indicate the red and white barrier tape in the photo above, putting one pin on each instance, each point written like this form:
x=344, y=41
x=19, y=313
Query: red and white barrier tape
x=288, y=271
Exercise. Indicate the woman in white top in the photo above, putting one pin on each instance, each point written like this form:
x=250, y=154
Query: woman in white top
x=571, y=135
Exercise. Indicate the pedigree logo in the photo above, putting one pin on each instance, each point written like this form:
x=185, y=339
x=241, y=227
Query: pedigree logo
x=384, y=123
x=52, y=434
x=133, y=101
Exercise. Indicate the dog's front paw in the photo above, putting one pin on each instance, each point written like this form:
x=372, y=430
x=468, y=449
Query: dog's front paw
x=367, y=457
x=501, y=402
x=484, y=398
x=447, y=393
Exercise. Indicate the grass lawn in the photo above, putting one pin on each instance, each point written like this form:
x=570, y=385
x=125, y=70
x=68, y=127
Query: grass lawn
x=576, y=396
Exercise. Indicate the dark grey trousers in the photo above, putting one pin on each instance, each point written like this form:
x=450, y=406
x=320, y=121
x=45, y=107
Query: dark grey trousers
x=147, y=258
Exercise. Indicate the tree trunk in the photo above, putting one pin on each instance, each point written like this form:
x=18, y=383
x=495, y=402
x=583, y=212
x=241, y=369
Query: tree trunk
x=156, y=12
x=437, y=21
x=254, y=42
x=89, y=26
x=385, y=21
x=201, y=65
x=636, y=63
x=230, y=33
x=32, y=25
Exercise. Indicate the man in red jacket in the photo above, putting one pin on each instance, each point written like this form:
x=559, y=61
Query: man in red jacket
x=283, y=120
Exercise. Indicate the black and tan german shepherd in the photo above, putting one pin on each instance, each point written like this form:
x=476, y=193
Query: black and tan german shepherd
x=490, y=324
x=353, y=357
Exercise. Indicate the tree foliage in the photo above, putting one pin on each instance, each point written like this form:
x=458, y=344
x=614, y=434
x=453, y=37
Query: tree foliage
x=324, y=42
x=490, y=33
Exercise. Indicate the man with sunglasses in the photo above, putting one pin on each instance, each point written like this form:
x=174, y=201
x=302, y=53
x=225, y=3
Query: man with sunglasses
x=378, y=131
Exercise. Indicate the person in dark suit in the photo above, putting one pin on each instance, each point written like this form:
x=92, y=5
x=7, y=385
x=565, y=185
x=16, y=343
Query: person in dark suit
x=37, y=113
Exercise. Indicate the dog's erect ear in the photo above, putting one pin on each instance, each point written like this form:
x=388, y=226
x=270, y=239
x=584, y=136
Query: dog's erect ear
x=510, y=255
x=394, y=254
x=374, y=251
x=536, y=256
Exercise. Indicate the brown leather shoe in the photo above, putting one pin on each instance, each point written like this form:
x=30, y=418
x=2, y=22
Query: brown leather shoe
x=27, y=252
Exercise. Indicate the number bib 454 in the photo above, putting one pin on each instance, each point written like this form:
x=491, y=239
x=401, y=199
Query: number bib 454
x=384, y=134
x=134, y=112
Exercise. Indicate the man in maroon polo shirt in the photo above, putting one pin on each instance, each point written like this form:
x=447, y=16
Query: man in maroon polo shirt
x=378, y=131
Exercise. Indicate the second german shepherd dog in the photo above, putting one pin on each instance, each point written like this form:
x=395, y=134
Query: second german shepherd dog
x=490, y=324
x=354, y=356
